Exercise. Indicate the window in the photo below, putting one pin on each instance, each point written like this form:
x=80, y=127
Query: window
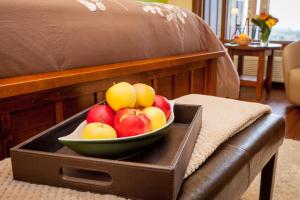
x=212, y=11
x=213, y=14
x=237, y=13
x=288, y=28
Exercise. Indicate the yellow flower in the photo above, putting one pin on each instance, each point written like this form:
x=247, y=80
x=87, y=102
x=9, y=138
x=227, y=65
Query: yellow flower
x=271, y=22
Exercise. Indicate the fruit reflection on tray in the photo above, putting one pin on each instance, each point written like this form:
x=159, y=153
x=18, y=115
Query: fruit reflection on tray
x=132, y=118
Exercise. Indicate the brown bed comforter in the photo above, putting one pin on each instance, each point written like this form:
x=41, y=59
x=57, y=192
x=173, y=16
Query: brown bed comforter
x=51, y=35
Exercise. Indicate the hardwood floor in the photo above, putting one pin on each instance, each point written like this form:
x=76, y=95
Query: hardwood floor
x=280, y=105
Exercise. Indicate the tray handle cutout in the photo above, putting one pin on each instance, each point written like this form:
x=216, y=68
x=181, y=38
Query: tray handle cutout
x=85, y=176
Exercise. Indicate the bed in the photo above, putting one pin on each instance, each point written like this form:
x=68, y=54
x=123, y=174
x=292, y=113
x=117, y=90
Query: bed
x=59, y=57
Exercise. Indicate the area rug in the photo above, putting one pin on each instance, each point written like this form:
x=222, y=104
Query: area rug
x=287, y=179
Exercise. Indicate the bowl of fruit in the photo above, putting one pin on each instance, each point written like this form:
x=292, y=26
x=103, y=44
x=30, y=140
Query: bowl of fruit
x=242, y=39
x=130, y=119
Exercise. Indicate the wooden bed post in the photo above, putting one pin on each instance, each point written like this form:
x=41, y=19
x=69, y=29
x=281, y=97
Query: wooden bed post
x=6, y=138
x=198, y=7
x=211, y=82
x=223, y=19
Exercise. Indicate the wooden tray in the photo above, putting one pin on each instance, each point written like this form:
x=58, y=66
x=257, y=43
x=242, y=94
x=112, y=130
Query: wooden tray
x=156, y=173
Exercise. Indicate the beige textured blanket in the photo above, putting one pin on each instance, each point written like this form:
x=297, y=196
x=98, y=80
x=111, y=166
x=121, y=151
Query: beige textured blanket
x=222, y=118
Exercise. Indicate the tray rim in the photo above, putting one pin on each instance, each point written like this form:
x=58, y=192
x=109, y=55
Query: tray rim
x=166, y=168
x=183, y=143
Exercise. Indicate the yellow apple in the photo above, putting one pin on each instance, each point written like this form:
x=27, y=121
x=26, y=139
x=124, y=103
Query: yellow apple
x=144, y=95
x=157, y=117
x=98, y=131
x=121, y=95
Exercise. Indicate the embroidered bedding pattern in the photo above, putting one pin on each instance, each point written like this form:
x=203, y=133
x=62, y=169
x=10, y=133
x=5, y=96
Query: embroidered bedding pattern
x=94, y=5
x=170, y=12
x=165, y=10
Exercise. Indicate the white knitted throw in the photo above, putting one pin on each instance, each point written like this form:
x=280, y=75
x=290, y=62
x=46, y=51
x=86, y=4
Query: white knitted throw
x=222, y=118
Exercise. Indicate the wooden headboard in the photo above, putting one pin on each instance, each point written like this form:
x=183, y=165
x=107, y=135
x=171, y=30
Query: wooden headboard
x=30, y=104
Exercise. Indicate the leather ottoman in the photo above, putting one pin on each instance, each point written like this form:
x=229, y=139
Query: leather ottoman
x=229, y=171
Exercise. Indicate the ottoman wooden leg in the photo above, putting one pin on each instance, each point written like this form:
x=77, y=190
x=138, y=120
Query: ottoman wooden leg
x=267, y=179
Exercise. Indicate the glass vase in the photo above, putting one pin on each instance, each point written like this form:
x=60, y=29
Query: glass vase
x=264, y=37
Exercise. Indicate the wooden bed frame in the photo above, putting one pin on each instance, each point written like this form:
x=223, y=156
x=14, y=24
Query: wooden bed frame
x=33, y=103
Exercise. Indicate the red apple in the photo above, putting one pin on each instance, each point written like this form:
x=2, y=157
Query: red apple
x=162, y=103
x=101, y=114
x=130, y=122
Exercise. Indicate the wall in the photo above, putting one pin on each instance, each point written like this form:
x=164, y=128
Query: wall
x=265, y=5
x=160, y=1
x=252, y=8
x=182, y=3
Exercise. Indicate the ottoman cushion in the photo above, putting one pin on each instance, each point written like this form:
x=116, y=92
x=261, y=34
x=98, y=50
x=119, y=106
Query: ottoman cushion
x=228, y=172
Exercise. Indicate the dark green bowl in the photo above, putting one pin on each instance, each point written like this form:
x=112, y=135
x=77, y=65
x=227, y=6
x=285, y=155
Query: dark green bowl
x=116, y=147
